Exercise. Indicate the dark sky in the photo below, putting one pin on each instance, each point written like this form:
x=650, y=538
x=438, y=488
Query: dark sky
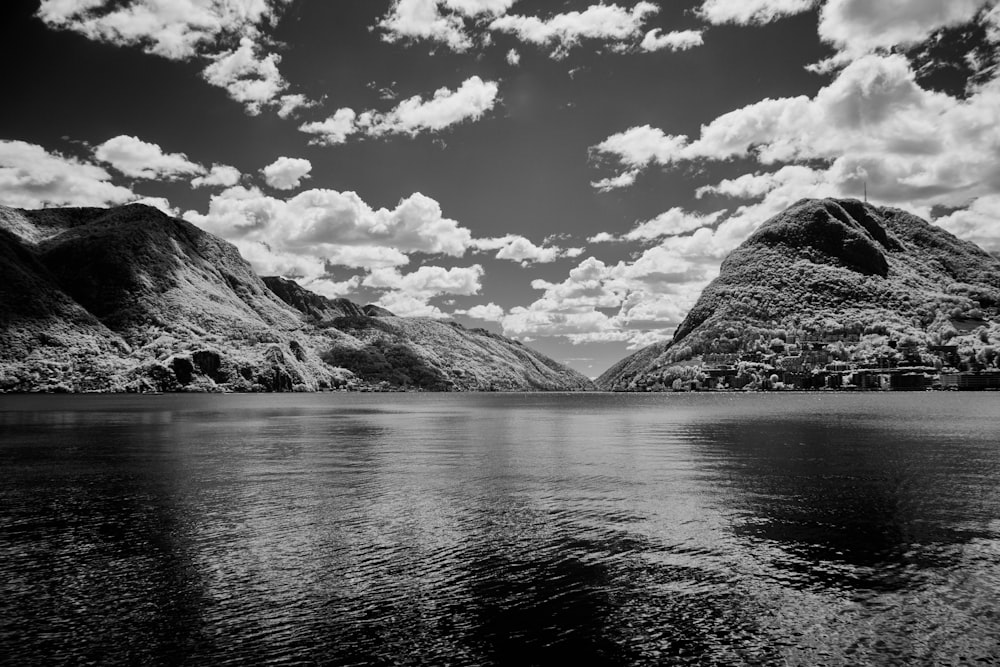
x=481, y=201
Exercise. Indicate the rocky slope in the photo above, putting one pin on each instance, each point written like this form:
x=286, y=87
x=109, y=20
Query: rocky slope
x=833, y=269
x=130, y=299
x=427, y=353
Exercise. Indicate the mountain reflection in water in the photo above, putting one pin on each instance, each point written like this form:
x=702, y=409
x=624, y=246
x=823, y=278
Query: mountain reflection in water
x=499, y=529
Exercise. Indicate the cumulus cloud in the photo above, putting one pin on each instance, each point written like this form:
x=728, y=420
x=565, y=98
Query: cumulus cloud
x=517, y=248
x=408, y=294
x=609, y=23
x=441, y=21
x=219, y=175
x=859, y=26
x=175, y=29
x=249, y=77
x=477, y=7
x=185, y=30
x=289, y=104
x=872, y=124
x=32, y=177
x=423, y=19
x=854, y=27
x=603, y=237
x=638, y=147
x=623, y=180
x=140, y=159
x=648, y=297
x=334, y=130
x=489, y=312
x=333, y=289
x=470, y=101
x=467, y=102
x=756, y=185
x=750, y=12
x=979, y=223
x=671, y=223
x=451, y=23
x=428, y=281
x=678, y=40
x=286, y=173
x=299, y=236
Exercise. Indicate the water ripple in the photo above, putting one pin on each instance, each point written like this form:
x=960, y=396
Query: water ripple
x=505, y=529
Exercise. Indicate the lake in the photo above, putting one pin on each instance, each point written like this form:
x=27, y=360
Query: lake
x=468, y=529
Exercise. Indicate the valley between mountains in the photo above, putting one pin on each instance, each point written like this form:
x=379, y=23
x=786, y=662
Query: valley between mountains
x=128, y=299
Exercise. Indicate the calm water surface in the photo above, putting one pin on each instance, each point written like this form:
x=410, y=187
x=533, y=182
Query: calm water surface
x=500, y=529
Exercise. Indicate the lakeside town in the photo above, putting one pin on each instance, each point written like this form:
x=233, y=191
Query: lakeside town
x=830, y=362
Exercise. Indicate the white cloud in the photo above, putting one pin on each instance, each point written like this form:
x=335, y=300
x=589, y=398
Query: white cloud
x=364, y=256
x=609, y=23
x=250, y=79
x=623, y=180
x=286, y=173
x=405, y=305
x=854, y=27
x=678, y=40
x=422, y=19
x=175, y=29
x=267, y=261
x=979, y=223
x=517, y=248
x=651, y=295
x=219, y=175
x=332, y=289
x=750, y=12
x=638, y=147
x=490, y=312
x=467, y=102
x=31, y=177
x=754, y=186
x=873, y=124
x=513, y=58
x=478, y=7
x=603, y=237
x=316, y=227
x=140, y=159
x=408, y=294
x=671, y=223
x=334, y=130
x=473, y=98
x=428, y=281
x=185, y=30
x=859, y=26
x=289, y=104
x=441, y=21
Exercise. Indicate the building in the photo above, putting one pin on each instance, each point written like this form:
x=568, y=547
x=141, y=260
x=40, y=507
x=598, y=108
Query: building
x=969, y=381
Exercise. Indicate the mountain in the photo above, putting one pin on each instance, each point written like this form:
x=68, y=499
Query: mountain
x=867, y=279
x=130, y=299
x=427, y=353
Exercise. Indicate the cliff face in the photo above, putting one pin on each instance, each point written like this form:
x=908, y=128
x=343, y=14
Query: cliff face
x=130, y=299
x=839, y=268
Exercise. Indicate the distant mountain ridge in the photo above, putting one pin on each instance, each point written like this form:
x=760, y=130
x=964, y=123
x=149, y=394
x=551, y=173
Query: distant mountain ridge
x=130, y=299
x=838, y=269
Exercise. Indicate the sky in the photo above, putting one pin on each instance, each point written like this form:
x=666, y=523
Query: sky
x=568, y=173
